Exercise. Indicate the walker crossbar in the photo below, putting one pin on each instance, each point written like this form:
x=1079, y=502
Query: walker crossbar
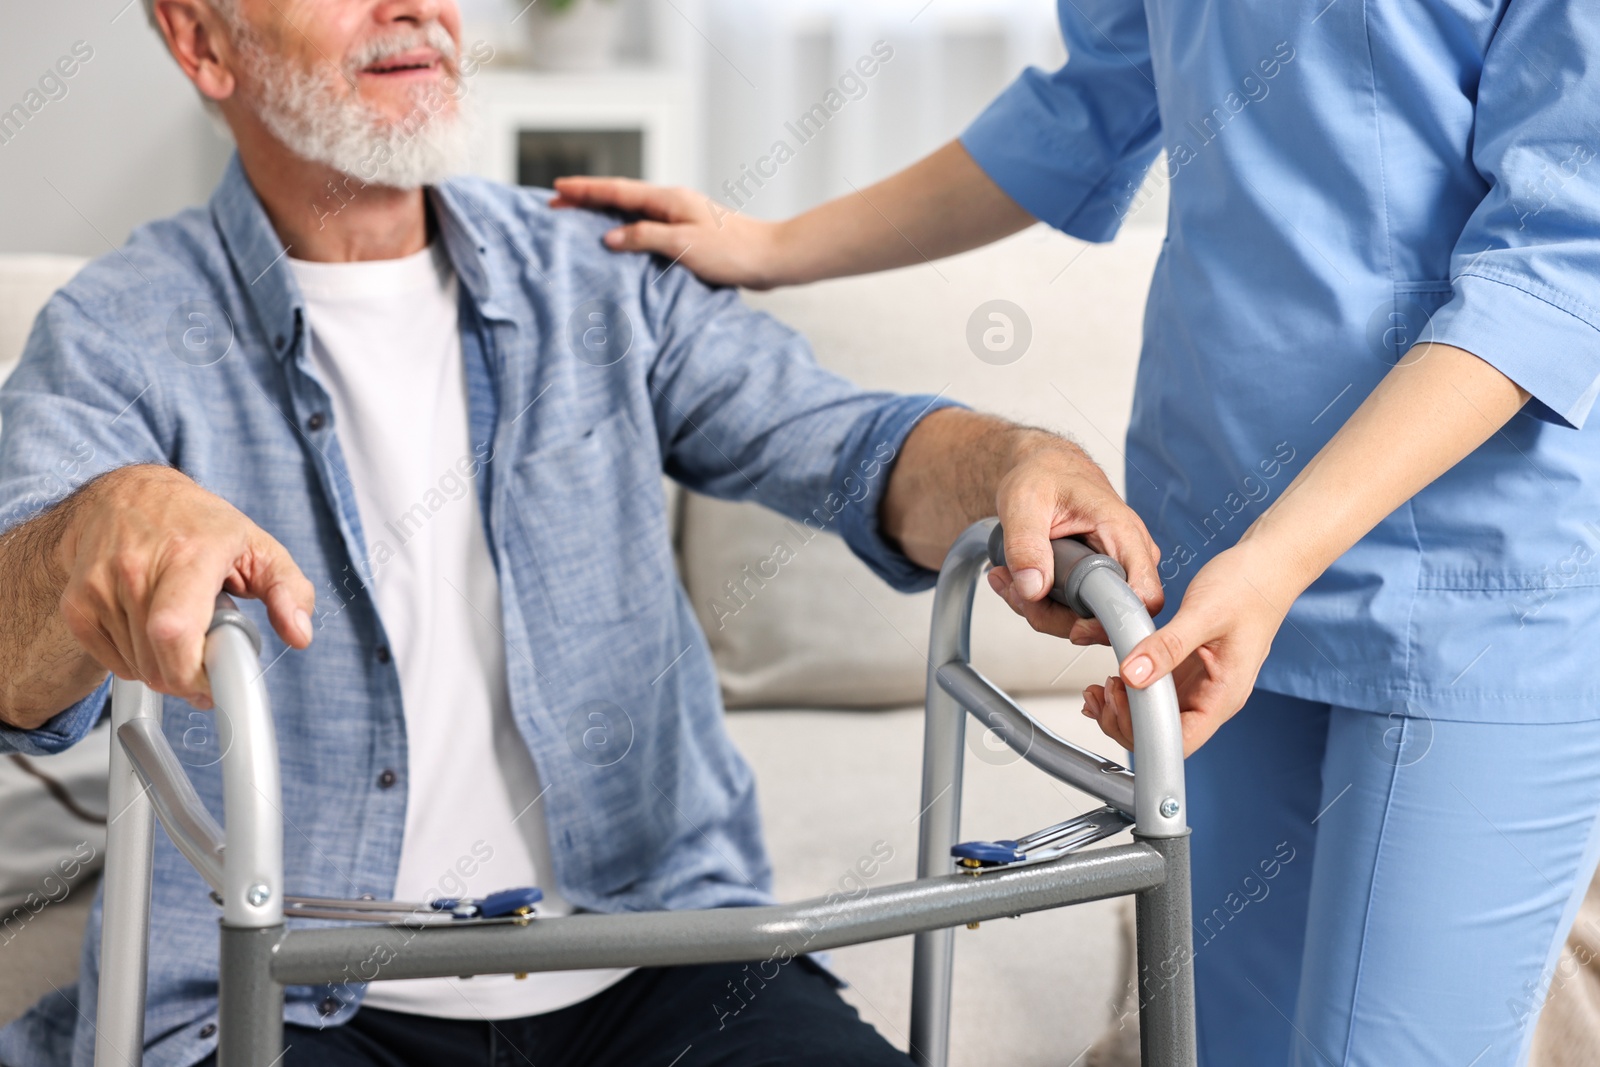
x=1025, y=735
x=721, y=935
x=259, y=957
x=177, y=805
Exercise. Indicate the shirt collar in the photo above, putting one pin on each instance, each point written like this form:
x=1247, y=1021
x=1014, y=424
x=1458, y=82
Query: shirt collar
x=258, y=255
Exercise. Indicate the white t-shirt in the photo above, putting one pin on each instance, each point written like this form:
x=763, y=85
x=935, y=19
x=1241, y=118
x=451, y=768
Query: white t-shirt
x=386, y=344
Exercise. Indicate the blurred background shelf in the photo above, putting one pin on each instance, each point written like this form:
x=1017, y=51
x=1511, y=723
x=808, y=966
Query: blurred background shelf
x=636, y=123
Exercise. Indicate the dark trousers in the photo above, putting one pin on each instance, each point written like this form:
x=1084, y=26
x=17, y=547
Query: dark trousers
x=656, y=1017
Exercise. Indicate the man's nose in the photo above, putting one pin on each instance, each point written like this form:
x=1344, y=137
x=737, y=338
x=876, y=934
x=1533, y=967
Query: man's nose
x=418, y=12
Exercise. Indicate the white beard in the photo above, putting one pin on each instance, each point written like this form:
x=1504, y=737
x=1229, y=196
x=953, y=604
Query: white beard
x=319, y=117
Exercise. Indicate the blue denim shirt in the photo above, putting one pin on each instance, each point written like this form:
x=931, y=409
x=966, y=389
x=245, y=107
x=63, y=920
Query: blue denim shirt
x=188, y=347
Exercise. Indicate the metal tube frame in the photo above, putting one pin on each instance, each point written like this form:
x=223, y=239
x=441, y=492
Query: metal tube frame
x=722, y=935
x=1091, y=585
x=125, y=908
x=177, y=805
x=259, y=958
x=1026, y=736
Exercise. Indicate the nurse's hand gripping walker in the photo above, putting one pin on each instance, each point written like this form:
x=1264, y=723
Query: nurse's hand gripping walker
x=496, y=935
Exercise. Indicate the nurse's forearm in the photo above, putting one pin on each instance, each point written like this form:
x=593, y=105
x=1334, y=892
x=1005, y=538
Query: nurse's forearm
x=938, y=206
x=1436, y=406
x=1429, y=412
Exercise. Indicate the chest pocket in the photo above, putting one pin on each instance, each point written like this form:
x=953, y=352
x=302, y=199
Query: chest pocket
x=594, y=517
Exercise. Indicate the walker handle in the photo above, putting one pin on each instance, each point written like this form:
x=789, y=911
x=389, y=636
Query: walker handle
x=1094, y=586
x=1074, y=560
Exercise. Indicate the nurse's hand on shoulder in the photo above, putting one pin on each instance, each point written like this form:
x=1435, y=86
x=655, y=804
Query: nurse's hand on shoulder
x=1213, y=647
x=720, y=246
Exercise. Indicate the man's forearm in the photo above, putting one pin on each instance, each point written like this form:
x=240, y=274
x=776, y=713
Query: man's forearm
x=938, y=206
x=946, y=478
x=43, y=669
x=956, y=467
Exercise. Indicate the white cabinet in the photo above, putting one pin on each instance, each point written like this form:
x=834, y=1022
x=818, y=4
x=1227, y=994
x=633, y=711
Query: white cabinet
x=637, y=122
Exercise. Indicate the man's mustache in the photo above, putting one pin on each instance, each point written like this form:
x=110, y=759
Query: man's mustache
x=432, y=35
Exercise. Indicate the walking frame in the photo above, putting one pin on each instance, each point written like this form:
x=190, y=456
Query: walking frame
x=956, y=884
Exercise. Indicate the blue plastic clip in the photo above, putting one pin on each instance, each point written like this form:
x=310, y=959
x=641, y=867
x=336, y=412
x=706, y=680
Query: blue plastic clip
x=986, y=853
x=510, y=902
x=1050, y=843
x=506, y=902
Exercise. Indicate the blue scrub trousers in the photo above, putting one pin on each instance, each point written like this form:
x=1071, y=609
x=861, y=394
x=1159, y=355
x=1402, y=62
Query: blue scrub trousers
x=1382, y=890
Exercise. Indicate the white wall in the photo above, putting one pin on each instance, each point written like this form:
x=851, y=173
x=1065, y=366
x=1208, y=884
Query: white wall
x=129, y=141
x=126, y=143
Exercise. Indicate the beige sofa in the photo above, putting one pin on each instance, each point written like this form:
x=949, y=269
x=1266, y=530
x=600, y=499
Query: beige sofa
x=801, y=653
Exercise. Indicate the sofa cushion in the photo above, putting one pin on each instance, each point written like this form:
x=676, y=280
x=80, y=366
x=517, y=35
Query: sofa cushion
x=53, y=811
x=52, y=843
x=824, y=631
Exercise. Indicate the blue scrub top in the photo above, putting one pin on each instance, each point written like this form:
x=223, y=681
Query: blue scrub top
x=1345, y=179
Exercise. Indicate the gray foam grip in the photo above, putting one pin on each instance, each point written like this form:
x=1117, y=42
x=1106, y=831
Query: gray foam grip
x=1073, y=562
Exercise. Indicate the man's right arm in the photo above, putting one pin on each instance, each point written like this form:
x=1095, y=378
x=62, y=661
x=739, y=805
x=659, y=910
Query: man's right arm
x=43, y=669
x=122, y=576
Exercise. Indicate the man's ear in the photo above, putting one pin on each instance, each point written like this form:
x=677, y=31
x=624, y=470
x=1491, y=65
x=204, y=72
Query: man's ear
x=198, y=40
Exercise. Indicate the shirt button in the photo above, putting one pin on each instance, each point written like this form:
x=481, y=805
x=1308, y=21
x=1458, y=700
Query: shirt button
x=279, y=340
x=387, y=778
x=316, y=422
x=208, y=1030
x=383, y=654
x=328, y=1006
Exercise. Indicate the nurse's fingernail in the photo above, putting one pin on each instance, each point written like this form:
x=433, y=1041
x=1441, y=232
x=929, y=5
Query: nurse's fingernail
x=1138, y=669
x=1029, y=582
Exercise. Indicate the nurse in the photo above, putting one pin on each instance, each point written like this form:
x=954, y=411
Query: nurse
x=1371, y=345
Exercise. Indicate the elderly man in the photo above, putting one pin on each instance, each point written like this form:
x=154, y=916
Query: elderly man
x=423, y=423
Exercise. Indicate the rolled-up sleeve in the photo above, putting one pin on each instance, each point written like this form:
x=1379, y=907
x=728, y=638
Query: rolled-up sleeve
x=1524, y=268
x=744, y=412
x=62, y=730
x=77, y=405
x=1072, y=146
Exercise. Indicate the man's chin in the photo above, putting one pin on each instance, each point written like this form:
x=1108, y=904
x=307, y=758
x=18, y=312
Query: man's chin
x=399, y=140
x=400, y=97
x=406, y=156
x=396, y=119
